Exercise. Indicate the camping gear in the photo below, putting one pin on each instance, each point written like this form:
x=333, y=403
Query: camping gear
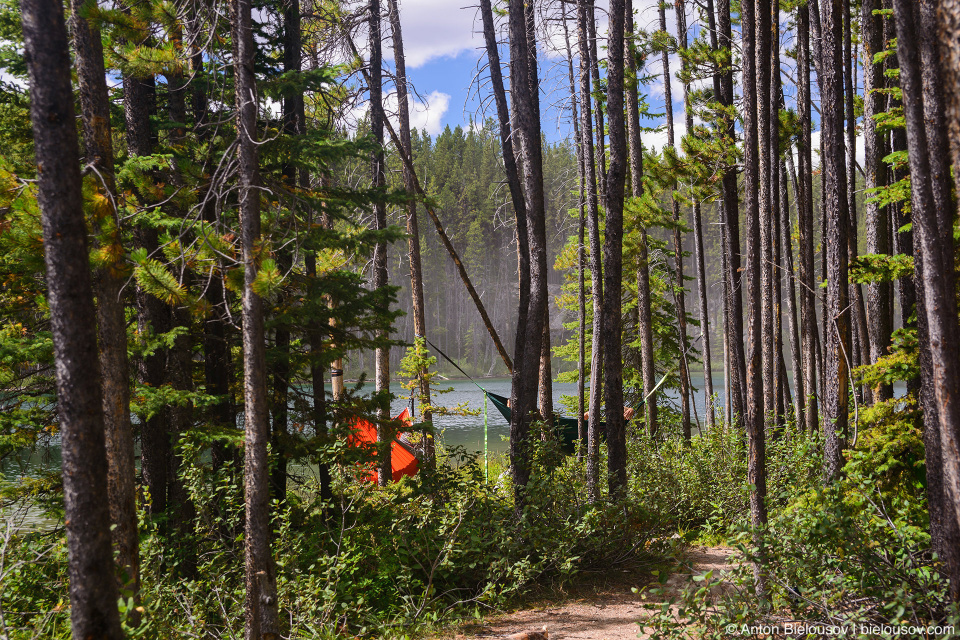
x=403, y=460
x=566, y=428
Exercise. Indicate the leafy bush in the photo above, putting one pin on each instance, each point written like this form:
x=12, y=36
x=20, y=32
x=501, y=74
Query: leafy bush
x=854, y=555
x=376, y=562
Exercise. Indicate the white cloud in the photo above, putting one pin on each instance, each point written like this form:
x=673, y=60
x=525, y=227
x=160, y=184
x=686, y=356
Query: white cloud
x=423, y=115
x=436, y=29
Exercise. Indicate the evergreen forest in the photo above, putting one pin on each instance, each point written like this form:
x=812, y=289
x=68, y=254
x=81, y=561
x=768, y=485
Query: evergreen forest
x=697, y=259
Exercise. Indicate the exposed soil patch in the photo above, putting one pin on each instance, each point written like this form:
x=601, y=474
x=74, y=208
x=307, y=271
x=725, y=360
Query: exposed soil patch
x=607, y=610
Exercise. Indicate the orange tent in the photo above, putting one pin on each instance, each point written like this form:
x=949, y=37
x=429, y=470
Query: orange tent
x=403, y=461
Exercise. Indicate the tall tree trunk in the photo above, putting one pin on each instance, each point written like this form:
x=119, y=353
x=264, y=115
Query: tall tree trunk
x=781, y=383
x=697, y=237
x=526, y=370
x=517, y=425
x=593, y=228
x=733, y=279
x=260, y=606
x=677, y=238
x=581, y=253
x=545, y=383
x=613, y=258
x=755, y=405
x=292, y=126
x=379, y=280
x=766, y=207
x=837, y=352
x=795, y=358
x=933, y=211
x=808, y=302
x=93, y=585
x=216, y=350
x=111, y=322
x=860, y=345
x=948, y=31
x=879, y=294
x=644, y=312
x=600, y=129
x=413, y=229
x=315, y=336
x=153, y=316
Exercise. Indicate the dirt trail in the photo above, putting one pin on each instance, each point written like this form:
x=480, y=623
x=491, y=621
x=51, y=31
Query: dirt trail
x=609, y=614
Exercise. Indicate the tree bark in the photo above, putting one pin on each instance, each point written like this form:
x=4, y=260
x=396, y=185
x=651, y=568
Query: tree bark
x=584, y=15
x=837, y=352
x=807, y=278
x=733, y=278
x=260, y=607
x=581, y=257
x=413, y=227
x=766, y=208
x=933, y=211
x=755, y=405
x=111, y=321
x=526, y=369
x=678, y=289
x=644, y=312
x=379, y=279
x=93, y=585
x=600, y=129
x=795, y=357
x=613, y=258
x=879, y=294
x=948, y=30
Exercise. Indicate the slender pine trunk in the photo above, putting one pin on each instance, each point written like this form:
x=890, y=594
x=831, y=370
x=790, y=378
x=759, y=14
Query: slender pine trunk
x=111, y=321
x=260, y=606
x=93, y=585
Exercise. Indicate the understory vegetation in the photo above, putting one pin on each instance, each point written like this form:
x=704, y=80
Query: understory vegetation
x=447, y=544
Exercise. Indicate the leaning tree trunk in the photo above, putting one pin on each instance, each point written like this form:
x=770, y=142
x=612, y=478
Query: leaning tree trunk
x=520, y=211
x=93, y=586
x=837, y=314
x=111, y=322
x=260, y=607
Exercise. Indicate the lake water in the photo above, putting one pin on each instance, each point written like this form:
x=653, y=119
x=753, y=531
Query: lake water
x=467, y=431
x=464, y=431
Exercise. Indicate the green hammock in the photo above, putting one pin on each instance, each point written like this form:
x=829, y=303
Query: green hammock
x=565, y=428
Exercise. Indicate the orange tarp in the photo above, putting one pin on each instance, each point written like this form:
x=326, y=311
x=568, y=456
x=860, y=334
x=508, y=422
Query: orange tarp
x=403, y=461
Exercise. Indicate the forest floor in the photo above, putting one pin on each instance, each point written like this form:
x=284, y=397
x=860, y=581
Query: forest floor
x=605, y=608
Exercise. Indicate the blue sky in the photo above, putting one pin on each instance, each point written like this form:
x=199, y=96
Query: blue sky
x=444, y=51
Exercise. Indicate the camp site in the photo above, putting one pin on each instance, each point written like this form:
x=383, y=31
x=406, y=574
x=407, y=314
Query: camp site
x=497, y=320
